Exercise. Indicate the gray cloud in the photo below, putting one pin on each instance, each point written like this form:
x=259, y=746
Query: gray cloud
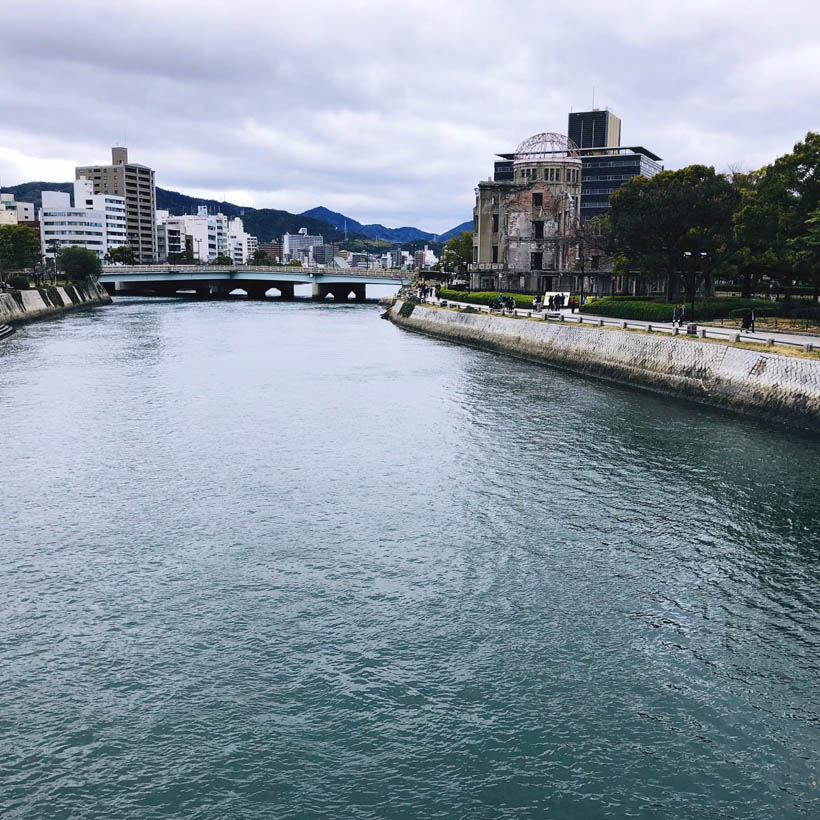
x=391, y=112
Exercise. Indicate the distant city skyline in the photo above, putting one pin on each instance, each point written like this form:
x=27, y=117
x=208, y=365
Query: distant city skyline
x=391, y=114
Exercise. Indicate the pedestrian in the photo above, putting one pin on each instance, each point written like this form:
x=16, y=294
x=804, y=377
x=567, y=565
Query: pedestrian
x=551, y=303
x=535, y=304
x=746, y=320
x=753, y=321
x=677, y=316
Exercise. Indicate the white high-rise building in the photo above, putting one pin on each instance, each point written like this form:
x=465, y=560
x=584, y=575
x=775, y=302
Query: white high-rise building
x=237, y=242
x=292, y=243
x=95, y=221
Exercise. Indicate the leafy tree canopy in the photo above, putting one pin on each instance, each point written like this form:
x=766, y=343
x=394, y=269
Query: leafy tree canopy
x=458, y=252
x=661, y=223
x=19, y=247
x=123, y=254
x=223, y=260
x=79, y=264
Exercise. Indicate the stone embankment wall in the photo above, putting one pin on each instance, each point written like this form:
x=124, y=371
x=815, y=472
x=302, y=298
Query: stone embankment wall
x=766, y=385
x=20, y=306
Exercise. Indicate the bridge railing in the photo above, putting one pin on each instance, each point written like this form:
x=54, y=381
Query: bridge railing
x=136, y=270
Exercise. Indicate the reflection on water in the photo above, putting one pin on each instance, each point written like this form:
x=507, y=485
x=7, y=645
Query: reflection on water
x=286, y=560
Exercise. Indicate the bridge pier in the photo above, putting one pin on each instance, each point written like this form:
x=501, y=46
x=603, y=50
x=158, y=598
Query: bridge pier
x=254, y=290
x=286, y=289
x=340, y=292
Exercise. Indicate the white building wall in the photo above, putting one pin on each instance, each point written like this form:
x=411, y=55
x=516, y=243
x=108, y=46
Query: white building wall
x=8, y=210
x=95, y=221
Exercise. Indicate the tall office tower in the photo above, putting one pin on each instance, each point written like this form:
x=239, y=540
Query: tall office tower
x=136, y=184
x=594, y=129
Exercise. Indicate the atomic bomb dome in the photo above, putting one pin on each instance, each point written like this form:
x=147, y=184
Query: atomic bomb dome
x=545, y=147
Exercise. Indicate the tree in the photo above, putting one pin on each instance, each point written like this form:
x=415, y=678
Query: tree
x=123, y=254
x=295, y=263
x=774, y=220
x=79, y=264
x=19, y=247
x=807, y=253
x=660, y=222
x=176, y=257
x=458, y=253
x=260, y=257
x=223, y=260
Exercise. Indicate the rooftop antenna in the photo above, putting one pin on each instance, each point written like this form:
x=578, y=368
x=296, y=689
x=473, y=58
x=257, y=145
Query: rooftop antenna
x=593, y=97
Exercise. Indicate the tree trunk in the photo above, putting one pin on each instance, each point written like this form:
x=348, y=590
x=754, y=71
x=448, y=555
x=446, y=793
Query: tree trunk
x=746, y=290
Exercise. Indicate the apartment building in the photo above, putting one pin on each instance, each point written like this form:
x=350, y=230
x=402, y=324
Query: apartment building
x=136, y=184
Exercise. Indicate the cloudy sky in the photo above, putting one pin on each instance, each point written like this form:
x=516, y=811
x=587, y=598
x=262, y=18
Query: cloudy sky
x=391, y=112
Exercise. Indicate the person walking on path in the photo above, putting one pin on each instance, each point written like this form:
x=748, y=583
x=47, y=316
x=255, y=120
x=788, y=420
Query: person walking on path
x=746, y=320
x=677, y=316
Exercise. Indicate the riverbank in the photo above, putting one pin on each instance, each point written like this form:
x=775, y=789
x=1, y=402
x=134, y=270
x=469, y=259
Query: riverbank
x=36, y=303
x=784, y=389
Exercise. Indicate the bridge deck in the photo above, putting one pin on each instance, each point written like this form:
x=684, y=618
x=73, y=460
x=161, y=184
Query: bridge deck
x=134, y=274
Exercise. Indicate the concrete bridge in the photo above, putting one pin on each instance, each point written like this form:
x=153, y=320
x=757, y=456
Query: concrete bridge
x=255, y=280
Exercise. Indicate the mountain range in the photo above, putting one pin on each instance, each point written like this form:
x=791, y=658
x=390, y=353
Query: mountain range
x=376, y=231
x=264, y=223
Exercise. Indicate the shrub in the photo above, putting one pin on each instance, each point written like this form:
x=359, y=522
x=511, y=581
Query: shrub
x=630, y=309
x=760, y=313
x=19, y=282
x=406, y=310
x=706, y=309
x=54, y=296
x=483, y=297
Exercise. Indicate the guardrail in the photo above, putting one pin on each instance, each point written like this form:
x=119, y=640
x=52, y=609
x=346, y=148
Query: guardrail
x=702, y=332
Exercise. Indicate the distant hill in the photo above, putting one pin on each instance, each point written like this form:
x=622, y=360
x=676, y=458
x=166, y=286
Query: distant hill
x=265, y=223
x=397, y=235
x=464, y=226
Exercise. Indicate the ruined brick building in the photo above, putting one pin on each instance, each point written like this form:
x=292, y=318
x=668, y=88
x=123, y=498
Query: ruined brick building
x=526, y=219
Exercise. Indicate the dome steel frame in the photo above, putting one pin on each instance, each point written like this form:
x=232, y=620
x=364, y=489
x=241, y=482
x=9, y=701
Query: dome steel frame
x=545, y=147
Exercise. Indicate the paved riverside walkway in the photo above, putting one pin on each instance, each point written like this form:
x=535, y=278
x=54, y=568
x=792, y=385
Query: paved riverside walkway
x=765, y=337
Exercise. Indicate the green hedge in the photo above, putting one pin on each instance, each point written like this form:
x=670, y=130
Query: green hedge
x=705, y=309
x=483, y=297
x=630, y=309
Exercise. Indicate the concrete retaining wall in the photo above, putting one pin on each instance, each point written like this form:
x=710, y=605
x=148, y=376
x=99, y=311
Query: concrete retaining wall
x=767, y=385
x=20, y=306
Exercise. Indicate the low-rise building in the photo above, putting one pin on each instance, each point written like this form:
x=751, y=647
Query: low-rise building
x=274, y=252
x=95, y=221
x=13, y=212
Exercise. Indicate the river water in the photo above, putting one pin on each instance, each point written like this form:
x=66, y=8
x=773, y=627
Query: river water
x=289, y=561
